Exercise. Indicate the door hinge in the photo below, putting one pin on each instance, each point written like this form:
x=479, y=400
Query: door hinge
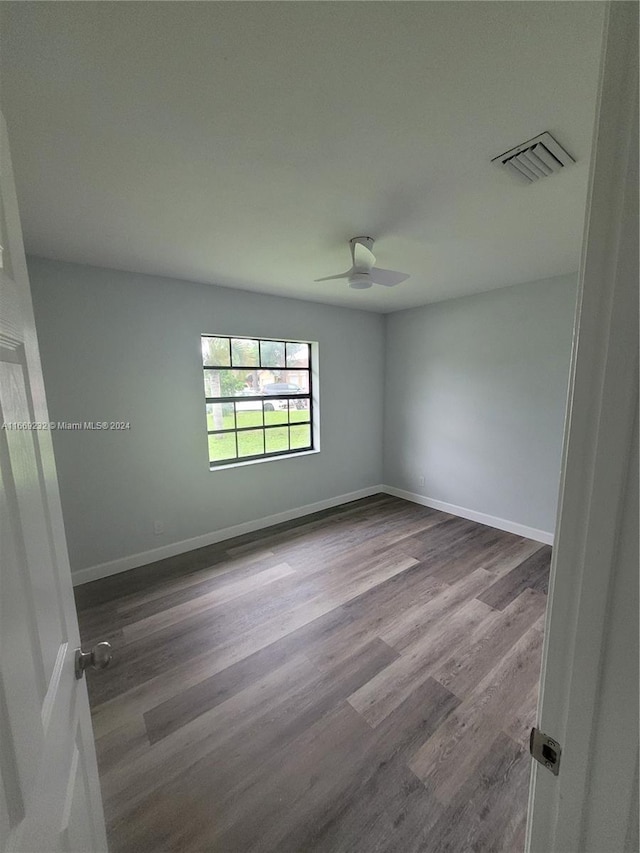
x=545, y=750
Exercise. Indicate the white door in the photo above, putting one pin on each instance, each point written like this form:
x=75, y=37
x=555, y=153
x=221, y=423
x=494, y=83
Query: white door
x=589, y=695
x=49, y=790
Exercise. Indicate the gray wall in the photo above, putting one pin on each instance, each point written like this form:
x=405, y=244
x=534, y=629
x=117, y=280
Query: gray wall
x=126, y=347
x=475, y=394
x=473, y=400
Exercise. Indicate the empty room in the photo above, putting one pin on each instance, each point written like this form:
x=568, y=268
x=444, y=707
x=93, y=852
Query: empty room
x=318, y=379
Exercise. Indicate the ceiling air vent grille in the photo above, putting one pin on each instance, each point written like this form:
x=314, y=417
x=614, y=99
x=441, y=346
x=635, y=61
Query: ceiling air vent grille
x=537, y=158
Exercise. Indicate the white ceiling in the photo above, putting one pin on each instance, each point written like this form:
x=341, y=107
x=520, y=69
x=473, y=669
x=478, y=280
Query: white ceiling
x=244, y=143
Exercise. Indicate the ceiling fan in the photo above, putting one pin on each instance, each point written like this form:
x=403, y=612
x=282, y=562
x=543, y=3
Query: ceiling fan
x=363, y=273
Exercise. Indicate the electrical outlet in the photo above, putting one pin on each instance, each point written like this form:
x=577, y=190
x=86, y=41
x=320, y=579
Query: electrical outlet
x=158, y=527
x=421, y=481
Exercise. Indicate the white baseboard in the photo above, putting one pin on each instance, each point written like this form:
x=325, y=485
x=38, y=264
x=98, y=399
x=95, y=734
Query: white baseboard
x=481, y=517
x=123, y=564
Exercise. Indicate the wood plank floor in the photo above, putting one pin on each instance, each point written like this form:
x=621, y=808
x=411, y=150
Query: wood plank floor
x=355, y=681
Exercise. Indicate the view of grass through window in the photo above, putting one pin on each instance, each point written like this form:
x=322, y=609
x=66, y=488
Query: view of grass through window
x=258, y=397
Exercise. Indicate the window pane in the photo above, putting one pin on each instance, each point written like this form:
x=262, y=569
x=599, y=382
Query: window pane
x=299, y=410
x=290, y=382
x=250, y=443
x=272, y=353
x=275, y=411
x=268, y=379
x=215, y=351
x=228, y=383
x=244, y=352
x=220, y=416
x=277, y=374
x=300, y=435
x=222, y=446
x=299, y=381
x=249, y=413
x=211, y=383
x=276, y=439
x=297, y=355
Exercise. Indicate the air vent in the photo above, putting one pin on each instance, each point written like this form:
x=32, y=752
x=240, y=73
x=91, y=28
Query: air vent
x=537, y=158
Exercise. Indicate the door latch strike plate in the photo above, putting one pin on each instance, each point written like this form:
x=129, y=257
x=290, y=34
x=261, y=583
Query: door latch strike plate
x=545, y=750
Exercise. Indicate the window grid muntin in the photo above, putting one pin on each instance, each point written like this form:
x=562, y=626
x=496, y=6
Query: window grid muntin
x=264, y=427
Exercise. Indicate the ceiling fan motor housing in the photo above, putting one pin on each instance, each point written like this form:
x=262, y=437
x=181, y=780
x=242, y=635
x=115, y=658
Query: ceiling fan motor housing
x=367, y=242
x=359, y=280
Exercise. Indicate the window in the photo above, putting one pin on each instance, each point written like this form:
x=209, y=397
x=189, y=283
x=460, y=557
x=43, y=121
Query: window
x=258, y=398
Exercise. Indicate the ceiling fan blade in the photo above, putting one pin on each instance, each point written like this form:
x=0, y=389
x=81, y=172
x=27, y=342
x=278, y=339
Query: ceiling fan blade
x=333, y=277
x=388, y=278
x=363, y=258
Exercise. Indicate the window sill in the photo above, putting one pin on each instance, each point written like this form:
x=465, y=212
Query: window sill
x=260, y=461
